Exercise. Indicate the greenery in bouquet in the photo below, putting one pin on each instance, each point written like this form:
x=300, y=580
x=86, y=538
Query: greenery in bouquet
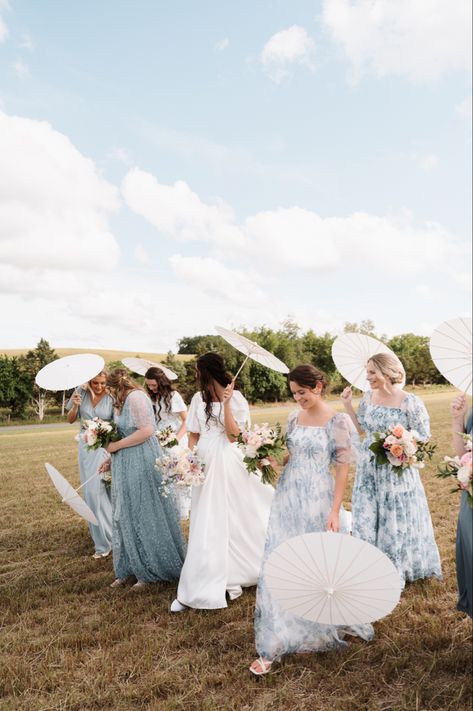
x=259, y=445
x=461, y=469
x=167, y=437
x=99, y=433
x=400, y=449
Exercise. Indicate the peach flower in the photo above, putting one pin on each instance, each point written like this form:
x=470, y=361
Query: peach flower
x=396, y=450
x=398, y=431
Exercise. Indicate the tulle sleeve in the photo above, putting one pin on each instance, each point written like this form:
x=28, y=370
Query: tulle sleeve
x=141, y=410
x=240, y=410
x=292, y=420
x=360, y=413
x=418, y=417
x=192, y=421
x=177, y=403
x=343, y=439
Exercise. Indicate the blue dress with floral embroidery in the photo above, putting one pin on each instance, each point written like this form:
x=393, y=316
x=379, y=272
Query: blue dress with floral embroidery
x=390, y=510
x=302, y=504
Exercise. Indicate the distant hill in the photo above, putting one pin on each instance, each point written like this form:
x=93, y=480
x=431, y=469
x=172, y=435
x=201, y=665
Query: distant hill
x=106, y=354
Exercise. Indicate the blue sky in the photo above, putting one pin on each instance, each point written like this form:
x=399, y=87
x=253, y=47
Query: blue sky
x=172, y=166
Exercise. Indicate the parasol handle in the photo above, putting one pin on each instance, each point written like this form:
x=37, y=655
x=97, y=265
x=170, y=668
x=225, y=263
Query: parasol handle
x=240, y=368
x=85, y=482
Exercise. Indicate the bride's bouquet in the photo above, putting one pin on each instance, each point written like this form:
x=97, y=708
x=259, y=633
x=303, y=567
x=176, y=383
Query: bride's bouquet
x=167, y=437
x=99, y=433
x=180, y=468
x=258, y=444
x=400, y=448
x=461, y=469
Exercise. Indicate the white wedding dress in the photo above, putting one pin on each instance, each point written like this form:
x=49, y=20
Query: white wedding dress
x=229, y=514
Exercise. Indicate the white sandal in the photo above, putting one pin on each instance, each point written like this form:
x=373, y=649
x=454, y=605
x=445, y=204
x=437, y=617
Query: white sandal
x=264, y=665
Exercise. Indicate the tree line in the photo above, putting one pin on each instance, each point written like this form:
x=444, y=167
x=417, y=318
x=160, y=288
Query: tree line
x=20, y=398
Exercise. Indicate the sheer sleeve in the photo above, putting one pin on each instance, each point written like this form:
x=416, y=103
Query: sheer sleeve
x=240, y=410
x=361, y=412
x=69, y=403
x=177, y=403
x=343, y=439
x=292, y=421
x=418, y=417
x=192, y=421
x=141, y=410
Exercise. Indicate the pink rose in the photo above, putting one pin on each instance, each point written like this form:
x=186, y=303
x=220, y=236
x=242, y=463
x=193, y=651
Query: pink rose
x=398, y=431
x=396, y=450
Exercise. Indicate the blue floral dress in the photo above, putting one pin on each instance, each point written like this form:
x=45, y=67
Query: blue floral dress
x=147, y=540
x=390, y=510
x=96, y=492
x=302, y=504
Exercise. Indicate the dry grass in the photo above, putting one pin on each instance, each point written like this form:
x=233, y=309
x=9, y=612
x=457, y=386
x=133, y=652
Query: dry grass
x=71, y=643
x=107, y=355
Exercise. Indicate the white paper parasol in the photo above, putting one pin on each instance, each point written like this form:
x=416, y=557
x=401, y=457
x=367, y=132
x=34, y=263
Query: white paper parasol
x=350, y=353
x=70, y=496
x=333, y=579
x=141, y=365
x=251, y=350
x=451, y=351
x=70, y=371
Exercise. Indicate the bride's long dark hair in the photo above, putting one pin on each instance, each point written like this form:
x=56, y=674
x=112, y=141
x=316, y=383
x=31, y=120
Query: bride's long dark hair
x=211, y=366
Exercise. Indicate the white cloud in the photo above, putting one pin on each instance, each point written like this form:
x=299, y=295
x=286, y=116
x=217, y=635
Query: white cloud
x=222, y=44
x=21, y=69
x=290, y=238
x=141, y=255
x=422, y=40
x=423, y=290
x=212, y=277
x=285, y=48
x=54, y=206
x=3, y=27
x=178, y=212
x=301, y=239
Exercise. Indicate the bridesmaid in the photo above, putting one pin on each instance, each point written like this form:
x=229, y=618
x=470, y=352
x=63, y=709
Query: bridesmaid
x=464, y=547
x=88, y=401
x=230, y=510
x=171, y=411
x=390, y=510
x=307, y=500
x=147, y=539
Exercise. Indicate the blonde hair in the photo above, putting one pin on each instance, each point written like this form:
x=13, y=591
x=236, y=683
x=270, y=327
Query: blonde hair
x=121, y=386
x=390, y=366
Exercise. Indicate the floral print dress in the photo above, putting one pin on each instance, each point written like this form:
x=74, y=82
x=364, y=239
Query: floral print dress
x=390, y=510
x=302, y=504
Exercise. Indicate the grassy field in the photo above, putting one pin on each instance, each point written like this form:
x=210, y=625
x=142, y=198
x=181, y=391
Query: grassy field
x=71, y=643
x=107, y=355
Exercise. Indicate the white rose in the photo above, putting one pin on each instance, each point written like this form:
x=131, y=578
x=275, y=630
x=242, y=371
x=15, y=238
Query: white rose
x=464, y=475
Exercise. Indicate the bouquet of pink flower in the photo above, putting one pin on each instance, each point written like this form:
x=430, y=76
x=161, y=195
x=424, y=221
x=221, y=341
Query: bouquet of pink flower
x=180, y=468
x=461, y=469
x=98, y=433
x=400, y=448
x=258, y=444
x=167, y=437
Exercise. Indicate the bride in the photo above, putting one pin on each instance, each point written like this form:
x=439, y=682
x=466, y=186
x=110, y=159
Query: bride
x=230, y=511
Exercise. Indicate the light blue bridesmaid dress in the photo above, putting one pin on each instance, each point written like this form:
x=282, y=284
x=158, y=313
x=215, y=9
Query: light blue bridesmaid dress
x=96, y=492
x=302, y=504
x=147, y=538
x=390, y=510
